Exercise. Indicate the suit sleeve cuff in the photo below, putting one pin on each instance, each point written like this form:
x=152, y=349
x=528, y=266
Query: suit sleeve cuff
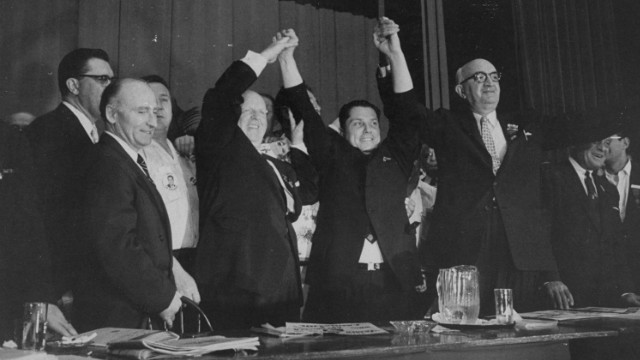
x=255, y=61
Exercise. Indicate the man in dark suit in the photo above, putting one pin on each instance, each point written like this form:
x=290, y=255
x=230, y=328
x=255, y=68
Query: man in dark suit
x=624, y=173
x=62, y=142
x=587, y=232
x=25, y=264
x=363, y=264
x=247, y=266
x=127, y=274
x=586, y=225
x=488, y=211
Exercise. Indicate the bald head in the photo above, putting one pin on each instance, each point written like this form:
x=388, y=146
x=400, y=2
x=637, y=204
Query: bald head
x=483, y=96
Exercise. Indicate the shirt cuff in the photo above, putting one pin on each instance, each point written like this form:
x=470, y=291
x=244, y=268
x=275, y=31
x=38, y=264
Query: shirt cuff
x=255, y=61
x=302, y=147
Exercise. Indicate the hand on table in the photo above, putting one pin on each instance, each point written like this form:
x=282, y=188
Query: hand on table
x=559, y=294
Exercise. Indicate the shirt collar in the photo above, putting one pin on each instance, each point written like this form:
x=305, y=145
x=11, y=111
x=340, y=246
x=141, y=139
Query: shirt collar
x=128, y=149
x=492, y=117
x=87, y=124
x=579, y=169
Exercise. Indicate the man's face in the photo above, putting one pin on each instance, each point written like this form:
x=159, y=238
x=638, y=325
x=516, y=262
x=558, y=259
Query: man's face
x=617, y=148
x=483, y=97
x=269, y=105
x=90, y=89
x=592, y=156
x=165, y=109
x=132, y=115
x=362, y=129
x=253, y=117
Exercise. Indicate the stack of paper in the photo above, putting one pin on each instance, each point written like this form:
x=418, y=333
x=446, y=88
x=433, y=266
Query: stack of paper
x=182, y=347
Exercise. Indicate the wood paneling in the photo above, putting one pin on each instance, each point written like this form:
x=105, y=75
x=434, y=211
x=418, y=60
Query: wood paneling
x=188, y=42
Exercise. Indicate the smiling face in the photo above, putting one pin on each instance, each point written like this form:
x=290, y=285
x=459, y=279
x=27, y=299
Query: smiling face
x=483, y=97
x=591, y=156
x=132, y=114
x=253, y=117
x=362, y=129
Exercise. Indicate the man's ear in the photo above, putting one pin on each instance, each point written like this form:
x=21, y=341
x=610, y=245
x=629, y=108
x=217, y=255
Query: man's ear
x=460, y=91
x=626, y=142
x=73, y=85
x=111, y=113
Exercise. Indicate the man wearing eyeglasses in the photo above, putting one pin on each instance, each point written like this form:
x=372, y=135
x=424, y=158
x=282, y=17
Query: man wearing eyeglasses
x=586, y=216
x=488, y=212
x=623, y=172
x=63, y=143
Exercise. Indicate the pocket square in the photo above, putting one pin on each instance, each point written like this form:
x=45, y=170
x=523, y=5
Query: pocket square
x=385, y=159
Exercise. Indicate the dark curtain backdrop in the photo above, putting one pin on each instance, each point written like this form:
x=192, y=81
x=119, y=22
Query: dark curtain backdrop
x=567, y=54
x=189, y=42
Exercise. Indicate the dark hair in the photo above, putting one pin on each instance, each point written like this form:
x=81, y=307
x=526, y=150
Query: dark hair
x=345, y=111
x=109, y=93
x=153, y=78
x=75, y=63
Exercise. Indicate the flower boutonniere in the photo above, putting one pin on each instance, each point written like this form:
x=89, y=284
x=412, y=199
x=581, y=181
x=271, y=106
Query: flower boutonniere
x=512, y=132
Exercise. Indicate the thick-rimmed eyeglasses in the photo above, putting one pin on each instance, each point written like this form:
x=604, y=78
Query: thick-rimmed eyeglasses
x=482, y=76
x=607, y=141
x=102, y=79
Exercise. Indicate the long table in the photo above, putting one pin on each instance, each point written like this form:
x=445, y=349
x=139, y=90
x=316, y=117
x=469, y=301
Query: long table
x=506, y=343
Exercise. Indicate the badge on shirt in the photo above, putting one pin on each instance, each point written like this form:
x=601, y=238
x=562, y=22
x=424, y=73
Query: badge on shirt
x=169, y=181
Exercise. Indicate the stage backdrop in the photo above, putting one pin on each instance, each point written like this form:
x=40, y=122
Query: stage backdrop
x=188, y=42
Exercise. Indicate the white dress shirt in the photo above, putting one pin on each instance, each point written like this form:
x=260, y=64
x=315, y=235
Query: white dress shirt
x=129, y=150
x=175, y=180
x=496, y=132
x=582, y=173
x=87, y=125
x=622, y=184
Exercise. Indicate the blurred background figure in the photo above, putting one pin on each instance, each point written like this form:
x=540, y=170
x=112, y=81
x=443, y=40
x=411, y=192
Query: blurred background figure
x=20, y=119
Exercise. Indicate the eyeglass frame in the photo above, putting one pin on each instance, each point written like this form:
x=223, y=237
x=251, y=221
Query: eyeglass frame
x=607, y=142
x=487, y=76
x=102, y=79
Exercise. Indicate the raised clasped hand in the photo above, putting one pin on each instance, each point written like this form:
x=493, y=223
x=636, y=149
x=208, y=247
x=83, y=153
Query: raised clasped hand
x=385, y=35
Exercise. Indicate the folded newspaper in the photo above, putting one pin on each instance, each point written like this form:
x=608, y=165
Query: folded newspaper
x=150, y=344
x=310, y=329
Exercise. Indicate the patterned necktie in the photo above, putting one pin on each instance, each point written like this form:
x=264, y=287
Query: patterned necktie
x=94, y=134
x=487, y=138
x=143, y=165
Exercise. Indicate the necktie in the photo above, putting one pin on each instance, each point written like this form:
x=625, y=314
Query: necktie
x=94, y=134
x=143, y=165
x=487, y=138
x=591, y=188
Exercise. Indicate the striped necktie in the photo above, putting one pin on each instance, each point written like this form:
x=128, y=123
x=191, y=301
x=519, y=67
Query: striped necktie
x=487, y=138
x=143, y=165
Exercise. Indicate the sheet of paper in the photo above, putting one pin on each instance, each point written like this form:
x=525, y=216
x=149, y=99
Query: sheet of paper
x=338, y=329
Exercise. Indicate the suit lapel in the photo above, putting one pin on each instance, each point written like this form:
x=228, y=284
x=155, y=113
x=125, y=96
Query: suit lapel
x=72, y=125
x=468, y=124
x=633, y=201
x=574, y=184
x=145, y=183
x=512, y=146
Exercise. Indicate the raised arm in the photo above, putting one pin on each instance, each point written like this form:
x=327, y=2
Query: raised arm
x=316, y=137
